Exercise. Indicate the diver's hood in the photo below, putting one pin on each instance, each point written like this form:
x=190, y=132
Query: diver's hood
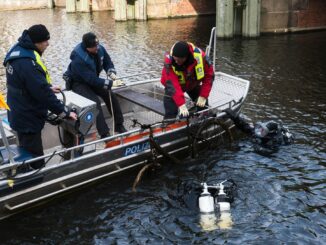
x=263, y=130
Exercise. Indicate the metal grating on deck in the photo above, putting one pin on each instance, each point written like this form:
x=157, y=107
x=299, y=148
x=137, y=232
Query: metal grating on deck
x=227, y=88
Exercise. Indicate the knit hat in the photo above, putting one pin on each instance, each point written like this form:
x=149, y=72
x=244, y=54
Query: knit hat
x=38, y=33
x=180, y=49
x=90, y=40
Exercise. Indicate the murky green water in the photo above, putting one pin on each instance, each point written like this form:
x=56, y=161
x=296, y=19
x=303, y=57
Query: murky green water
x=280, y=199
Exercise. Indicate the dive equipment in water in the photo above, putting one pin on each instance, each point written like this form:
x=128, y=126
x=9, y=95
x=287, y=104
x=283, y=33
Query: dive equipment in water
x=207, y=210
x=206, y=201
x=223, y=202
x=207, y=204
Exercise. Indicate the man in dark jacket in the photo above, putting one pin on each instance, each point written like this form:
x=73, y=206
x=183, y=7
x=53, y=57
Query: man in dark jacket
x=186, y=69
x=88, y=59
x=30, y=94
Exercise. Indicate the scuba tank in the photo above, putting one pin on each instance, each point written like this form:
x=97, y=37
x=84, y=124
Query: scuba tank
x=221, y=201
x=206, y=201
x=207, y=210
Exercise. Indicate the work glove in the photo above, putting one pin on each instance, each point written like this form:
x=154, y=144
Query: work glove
x=118, y=83
x=183, y=111
x=111, y=73
x=201, y=101
x=113, y=76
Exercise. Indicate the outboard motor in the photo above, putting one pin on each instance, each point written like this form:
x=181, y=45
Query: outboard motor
x=74, y=132
x=86, y=111
x=208, y=204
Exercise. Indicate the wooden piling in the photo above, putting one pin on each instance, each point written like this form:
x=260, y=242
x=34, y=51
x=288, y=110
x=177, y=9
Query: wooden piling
x=251, y=19
x=120, y=10
x=71, y=6
x=224, y=18
x=84, y=6
x=140, y=10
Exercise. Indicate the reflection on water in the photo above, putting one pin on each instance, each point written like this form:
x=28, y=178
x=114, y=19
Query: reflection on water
x=280, y=199
x=133, y=46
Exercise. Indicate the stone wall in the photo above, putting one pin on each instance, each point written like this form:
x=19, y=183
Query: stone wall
x=99, y=5
x=22, y=4
x=179, y=8
x=292, y=15
x=60, y=3
x=276, y=15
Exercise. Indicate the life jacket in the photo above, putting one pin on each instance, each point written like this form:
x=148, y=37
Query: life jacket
x=199, y=68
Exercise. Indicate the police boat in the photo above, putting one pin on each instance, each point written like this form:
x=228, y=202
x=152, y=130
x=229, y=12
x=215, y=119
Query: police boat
x=73, y=156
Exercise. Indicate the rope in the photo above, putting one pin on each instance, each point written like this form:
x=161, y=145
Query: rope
x=112, y=113
x=155, y=150
x=140, y=175
x=226, y=129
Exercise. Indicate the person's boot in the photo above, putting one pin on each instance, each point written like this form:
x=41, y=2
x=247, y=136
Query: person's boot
x=120, y=129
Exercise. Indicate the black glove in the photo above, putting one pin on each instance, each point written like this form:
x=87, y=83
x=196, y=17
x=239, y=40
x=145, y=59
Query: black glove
x=65, y=114
x=68, y=80
x=230, y=113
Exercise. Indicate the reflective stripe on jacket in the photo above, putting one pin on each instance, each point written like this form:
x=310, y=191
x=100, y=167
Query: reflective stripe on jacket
x=39, y=61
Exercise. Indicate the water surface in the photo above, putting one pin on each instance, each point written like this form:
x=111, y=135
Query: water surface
x=280, y=199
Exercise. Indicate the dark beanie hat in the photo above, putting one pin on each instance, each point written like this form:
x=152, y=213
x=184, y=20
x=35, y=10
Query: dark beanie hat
x=90, y=40
x=38, y=33
x=180, y=49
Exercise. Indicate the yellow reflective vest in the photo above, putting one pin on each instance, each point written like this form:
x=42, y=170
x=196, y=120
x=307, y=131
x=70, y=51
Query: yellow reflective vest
x=199, y=68
x=40, y=62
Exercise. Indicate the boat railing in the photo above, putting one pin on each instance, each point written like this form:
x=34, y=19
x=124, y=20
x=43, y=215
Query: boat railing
x=135, y=77
x=211, y=48
x=198, y=116
x=119, y=137
x=71, y=150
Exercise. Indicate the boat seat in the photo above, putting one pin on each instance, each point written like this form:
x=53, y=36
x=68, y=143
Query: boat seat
x=19, y=154
x=141, y=99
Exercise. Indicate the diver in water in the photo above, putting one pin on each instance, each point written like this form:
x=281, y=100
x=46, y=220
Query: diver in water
x=268, y=136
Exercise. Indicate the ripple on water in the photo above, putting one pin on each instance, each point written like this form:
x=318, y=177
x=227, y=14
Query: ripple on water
x=280, y=199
